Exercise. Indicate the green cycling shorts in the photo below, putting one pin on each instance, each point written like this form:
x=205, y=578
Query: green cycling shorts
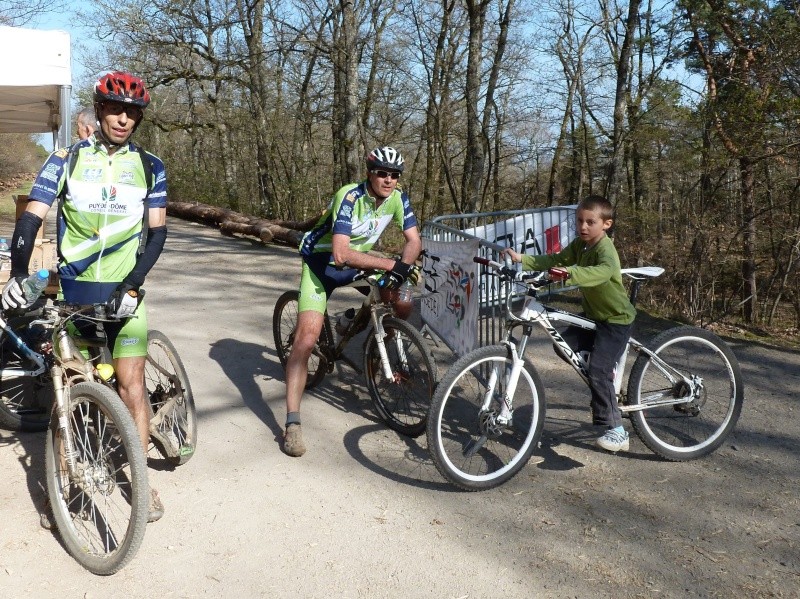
x=318, y=281
x=126, y=338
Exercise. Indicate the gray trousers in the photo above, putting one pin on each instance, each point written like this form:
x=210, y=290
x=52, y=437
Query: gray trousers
x=606, y=345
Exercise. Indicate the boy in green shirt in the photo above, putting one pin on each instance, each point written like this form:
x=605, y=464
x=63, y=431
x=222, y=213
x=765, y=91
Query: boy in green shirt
x=591, y=262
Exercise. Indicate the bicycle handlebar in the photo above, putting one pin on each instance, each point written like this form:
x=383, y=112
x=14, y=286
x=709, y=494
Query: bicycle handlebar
x=535, y=278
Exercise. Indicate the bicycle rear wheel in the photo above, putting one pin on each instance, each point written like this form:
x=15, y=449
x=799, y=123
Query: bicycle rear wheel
x=470, y=446
x=690, y=430
x=284, y=323
x=404, y=401
x=25, y=401
x=101, y=511
x=173, y=427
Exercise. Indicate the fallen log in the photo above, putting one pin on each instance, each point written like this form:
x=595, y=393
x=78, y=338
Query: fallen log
x=231, y=222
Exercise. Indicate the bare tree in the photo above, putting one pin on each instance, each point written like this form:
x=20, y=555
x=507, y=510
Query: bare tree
x=20, y=13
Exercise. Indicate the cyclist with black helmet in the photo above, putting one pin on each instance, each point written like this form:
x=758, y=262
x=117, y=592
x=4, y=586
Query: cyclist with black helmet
x=109, y=190
x=334, y=250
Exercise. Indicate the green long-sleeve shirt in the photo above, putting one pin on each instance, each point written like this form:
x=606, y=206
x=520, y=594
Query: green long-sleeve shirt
x=596, y=271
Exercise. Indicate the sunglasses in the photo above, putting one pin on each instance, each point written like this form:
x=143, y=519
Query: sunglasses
x=384, y=174
x=115, y=108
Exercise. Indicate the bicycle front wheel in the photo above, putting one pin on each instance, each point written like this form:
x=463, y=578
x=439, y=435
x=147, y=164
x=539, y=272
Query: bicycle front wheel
x=404, y=399
x=284, y=323
x=473, y=444
x=100, y=508
x=699, y=366
x=173, y=427
x=25, y=401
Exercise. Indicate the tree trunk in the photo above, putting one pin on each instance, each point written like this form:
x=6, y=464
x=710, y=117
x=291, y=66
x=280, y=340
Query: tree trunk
x=748, y=241
x=475, y=160
x=230, y=222
x=621, y=98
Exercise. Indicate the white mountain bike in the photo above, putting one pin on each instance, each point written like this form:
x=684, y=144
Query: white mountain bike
x=684, y=392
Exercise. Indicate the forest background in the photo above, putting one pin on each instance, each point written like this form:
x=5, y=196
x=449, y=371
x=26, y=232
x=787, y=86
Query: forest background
x=684, y=114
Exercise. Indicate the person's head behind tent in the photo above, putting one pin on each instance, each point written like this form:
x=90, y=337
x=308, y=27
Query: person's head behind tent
x=86, y=122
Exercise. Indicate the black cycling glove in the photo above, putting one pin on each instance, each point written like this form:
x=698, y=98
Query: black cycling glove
x=394, y=278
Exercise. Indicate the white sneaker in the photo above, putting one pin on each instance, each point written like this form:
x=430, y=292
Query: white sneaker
x=613, y=440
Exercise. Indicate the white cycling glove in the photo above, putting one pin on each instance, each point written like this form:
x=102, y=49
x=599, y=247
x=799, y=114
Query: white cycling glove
x=13, y=295
x=124, y=301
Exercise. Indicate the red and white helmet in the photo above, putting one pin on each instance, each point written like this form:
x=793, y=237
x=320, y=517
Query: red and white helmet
x=118, y=86
x=385, y=157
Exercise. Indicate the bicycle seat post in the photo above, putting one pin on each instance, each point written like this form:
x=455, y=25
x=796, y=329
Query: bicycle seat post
x=635, y=291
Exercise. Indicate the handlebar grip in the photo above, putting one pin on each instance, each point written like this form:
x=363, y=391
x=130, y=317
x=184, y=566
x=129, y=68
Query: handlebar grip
x=484, y=261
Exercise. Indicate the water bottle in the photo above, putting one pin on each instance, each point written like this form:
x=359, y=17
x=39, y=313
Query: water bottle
x=106, y=372
x=3, y=244
x=344, y=320
x=33, y=286
x=404, y=304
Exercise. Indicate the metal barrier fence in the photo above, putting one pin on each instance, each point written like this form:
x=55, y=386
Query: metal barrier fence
x=523, y=229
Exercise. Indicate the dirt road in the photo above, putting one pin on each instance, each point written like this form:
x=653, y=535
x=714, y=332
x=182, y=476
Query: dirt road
x=365, y=514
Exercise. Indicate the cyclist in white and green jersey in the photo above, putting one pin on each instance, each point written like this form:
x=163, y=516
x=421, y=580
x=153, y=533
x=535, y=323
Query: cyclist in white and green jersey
x=334, y=250
x=105, y=184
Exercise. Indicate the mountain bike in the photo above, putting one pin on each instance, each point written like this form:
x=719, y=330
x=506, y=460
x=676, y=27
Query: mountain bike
x=684, y=392
x=96, y=472
x=399, y=368
x=26, y=400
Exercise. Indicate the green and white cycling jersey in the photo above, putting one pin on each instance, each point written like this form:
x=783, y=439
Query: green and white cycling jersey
x=352, y=212
x=100, y=220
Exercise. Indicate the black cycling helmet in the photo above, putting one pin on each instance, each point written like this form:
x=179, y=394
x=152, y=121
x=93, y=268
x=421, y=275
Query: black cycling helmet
x=385, y=158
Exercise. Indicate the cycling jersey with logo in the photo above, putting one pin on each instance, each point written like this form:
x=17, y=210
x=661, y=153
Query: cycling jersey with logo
x=352, y=212
x=100, y=221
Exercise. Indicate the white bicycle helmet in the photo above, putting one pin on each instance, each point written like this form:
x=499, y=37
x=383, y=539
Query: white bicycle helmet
x=385, y=158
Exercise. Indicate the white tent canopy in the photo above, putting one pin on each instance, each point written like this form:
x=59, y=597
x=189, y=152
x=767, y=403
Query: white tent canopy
x=35, y=82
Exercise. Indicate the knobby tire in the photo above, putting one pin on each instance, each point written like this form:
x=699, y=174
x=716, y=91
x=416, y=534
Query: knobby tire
x=690, y=430
x=469, y=448
x=101, y=515
x=174, y=425
x=403, y=403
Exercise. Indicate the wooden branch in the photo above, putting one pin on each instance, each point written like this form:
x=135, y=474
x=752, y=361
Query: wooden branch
x=230, y=222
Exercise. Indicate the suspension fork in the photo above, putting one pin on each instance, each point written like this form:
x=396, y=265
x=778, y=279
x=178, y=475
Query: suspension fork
x=516, y=352
x=61, y=411
x=67, y=356
x=380, y=334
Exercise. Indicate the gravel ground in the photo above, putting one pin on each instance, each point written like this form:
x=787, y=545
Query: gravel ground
x=365, y=514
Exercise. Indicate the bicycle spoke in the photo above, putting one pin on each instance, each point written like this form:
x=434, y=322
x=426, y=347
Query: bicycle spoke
x=475, y=441
x=403, y=398
x=99, y=499
x=689, y=417
x=173, y=427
